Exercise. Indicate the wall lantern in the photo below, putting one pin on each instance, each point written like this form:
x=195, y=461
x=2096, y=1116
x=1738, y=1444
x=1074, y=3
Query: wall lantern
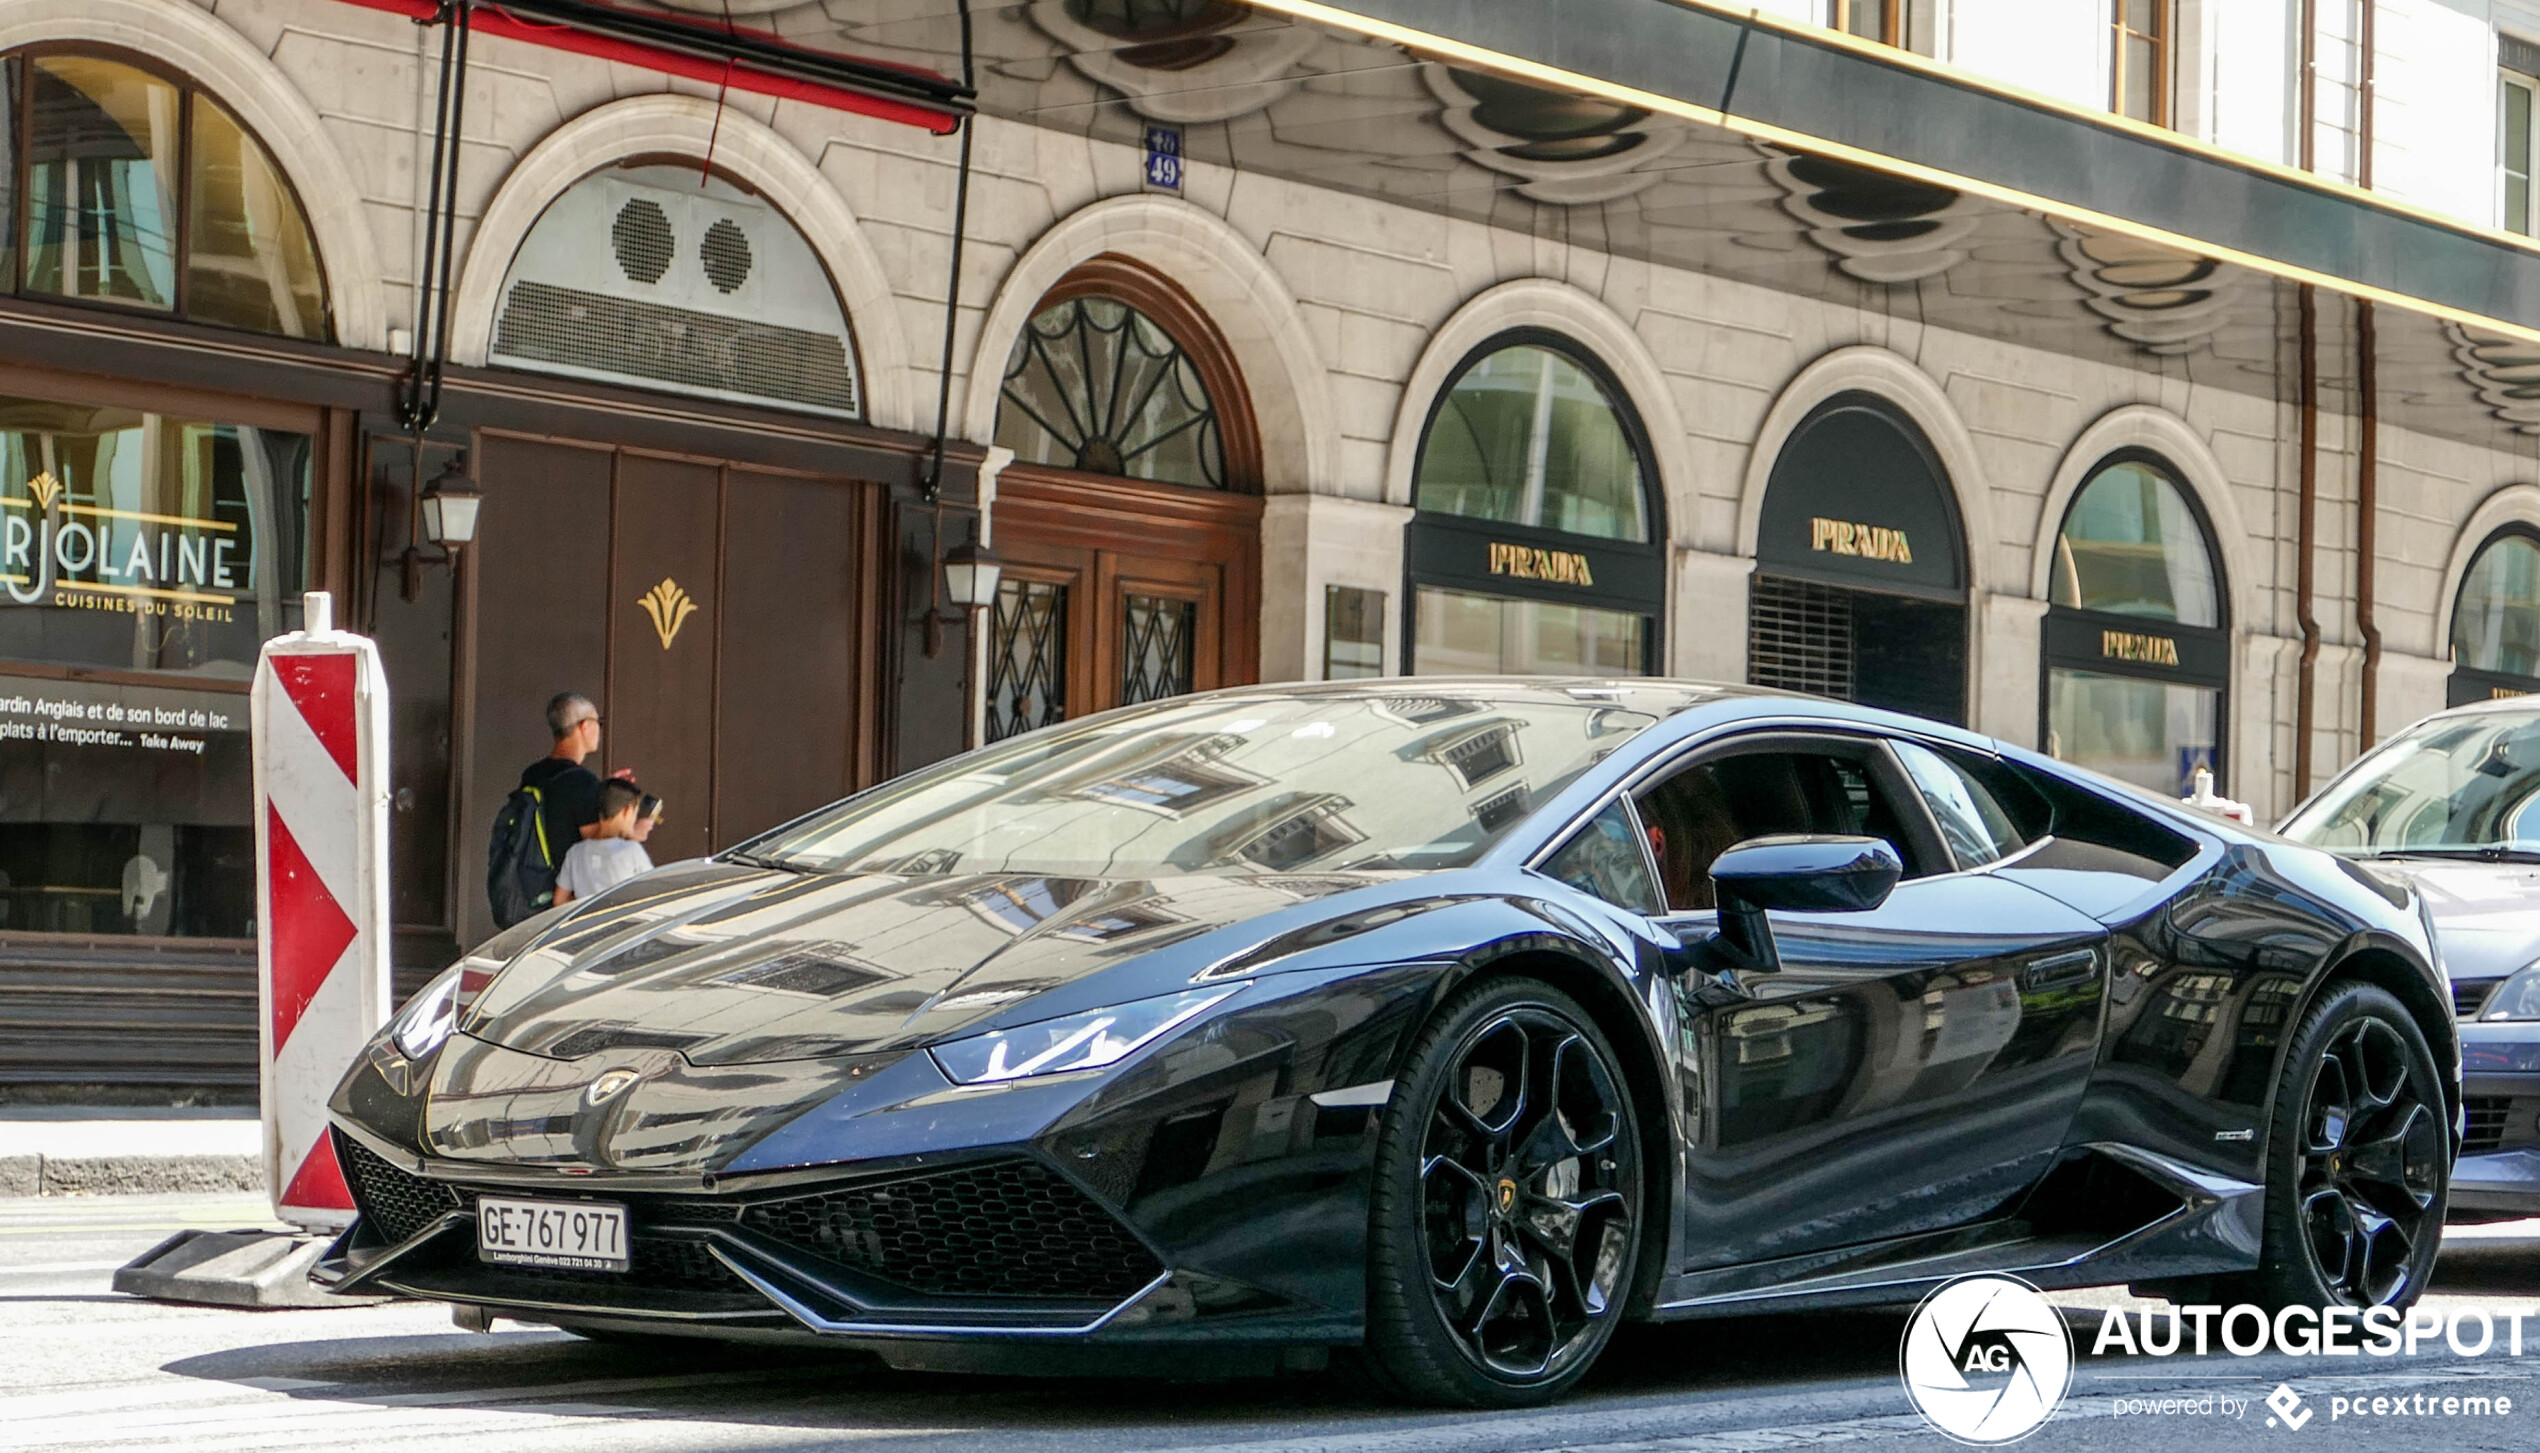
x=970, y=575
x=449, y=504
x=969, y=582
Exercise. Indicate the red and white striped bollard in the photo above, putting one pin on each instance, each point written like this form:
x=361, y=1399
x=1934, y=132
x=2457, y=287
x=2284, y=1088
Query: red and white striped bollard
x=319, y=714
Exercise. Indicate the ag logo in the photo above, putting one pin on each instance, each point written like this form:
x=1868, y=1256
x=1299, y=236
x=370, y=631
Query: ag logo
x=1986, y=1359
x=608, y=1086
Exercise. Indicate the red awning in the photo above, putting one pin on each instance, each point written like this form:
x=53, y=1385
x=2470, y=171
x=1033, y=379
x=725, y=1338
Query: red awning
x=718, y=54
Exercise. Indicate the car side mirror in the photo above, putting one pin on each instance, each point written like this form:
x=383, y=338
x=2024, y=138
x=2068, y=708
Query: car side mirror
x=1797, y=874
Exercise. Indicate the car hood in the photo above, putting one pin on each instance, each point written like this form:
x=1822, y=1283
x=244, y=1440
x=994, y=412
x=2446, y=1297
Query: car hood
x=2487, y=915
x=729, y=965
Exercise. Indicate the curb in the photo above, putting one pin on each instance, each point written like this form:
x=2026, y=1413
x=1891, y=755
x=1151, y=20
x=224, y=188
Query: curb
x=128, y=1175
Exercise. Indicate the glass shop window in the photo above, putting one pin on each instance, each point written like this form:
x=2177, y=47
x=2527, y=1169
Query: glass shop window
x=2496, y=621
x=156, y=554
x=1535, y=546
x=2137, y=654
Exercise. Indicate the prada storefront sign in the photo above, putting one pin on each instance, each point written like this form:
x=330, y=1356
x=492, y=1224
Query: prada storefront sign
x=1856, y=499
x=2101, y=641
x=152, y=556
x=1508, y=560
x=1532, y=562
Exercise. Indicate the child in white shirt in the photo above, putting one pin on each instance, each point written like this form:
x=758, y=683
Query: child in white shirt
x=614, y=852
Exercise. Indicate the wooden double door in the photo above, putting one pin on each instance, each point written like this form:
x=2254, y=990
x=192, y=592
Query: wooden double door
x=723, y=618
x=1117, y=592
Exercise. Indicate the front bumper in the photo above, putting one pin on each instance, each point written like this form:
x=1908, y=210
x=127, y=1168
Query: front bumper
x=1001, y=1247
x=2498, y=1172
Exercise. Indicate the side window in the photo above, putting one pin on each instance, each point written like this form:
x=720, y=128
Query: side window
x=1972, y=823
x=1715, y=804
x=1605, y=860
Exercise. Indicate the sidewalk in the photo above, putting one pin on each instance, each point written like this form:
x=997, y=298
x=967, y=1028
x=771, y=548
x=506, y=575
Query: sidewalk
x=76, y=1150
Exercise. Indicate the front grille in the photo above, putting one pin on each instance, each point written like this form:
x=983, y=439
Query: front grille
x=2469, y=994
x=1004, y=1229
x=396, y=1203
x=2487, y=1116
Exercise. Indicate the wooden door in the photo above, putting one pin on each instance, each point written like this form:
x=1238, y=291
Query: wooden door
x=722, y=617
x=538, y=623
x=664, y=616
x=1116, y=593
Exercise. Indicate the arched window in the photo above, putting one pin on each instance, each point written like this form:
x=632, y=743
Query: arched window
x=2137, y=657
x=2496, y=620
x=142, y=191
x=1098, y=386
x=1535, y=550
x=639, y=274
x=1860, y=585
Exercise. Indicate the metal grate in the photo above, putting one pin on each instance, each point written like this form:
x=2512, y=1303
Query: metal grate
x=1155, y=653
x=1007, y=1229
x=2468, y=995
x=1027, y=658
x=570, y=328
x=1799, y=637
x=642, y=239
x=397, y=1203
x=2487, y=1116
x=726, y=255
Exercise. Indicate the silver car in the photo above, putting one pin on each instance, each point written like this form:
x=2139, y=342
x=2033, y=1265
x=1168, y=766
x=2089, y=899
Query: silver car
x=2452, y=804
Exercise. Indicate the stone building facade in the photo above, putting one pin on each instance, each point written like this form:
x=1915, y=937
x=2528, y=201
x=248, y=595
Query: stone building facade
x=1329, y=222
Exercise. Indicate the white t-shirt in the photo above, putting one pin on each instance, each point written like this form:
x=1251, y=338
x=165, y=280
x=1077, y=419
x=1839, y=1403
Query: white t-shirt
x=595, y=865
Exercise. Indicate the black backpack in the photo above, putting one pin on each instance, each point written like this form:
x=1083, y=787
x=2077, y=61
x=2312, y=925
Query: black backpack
x=520, y=870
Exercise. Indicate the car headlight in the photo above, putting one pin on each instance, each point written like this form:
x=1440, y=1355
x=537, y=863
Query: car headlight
x=1085, y=1041
x=429, y=1016
x=2518, y=998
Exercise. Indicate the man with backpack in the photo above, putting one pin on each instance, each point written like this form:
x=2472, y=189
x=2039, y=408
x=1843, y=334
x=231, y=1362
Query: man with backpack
x=555, y=806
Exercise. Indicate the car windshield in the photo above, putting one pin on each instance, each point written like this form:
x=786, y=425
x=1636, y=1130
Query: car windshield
x=1403, y=778
x=2463, y=785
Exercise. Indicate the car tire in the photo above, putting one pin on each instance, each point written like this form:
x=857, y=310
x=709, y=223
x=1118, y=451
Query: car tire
x=1507, y=1211
x=2358, y=1160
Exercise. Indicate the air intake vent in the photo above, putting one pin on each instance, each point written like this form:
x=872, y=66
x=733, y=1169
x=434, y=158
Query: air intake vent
x=1005, y=1230
x=726, y=256
x=567, y=329
x=638, y=275
x=644, y=241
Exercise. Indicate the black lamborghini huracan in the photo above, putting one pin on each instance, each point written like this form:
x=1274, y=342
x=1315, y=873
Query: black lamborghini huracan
x=1454, y=1021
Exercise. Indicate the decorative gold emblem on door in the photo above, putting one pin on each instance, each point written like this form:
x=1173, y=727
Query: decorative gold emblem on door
x=669, y=608
x=42, y=488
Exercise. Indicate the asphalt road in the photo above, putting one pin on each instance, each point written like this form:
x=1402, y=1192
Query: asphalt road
x=82, y=1368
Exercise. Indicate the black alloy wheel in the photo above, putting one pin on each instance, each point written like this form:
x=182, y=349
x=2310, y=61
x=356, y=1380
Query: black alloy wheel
x=1507, y=1209
x=2359, y=1159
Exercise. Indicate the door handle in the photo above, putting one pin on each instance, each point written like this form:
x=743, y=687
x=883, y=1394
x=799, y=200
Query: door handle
x=2060, y=971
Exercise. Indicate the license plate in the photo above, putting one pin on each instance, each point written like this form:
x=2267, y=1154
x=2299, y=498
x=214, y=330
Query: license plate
x=584, y=1235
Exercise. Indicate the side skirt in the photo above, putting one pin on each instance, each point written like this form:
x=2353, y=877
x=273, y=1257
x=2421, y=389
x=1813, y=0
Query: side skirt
x=2183, y=1222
